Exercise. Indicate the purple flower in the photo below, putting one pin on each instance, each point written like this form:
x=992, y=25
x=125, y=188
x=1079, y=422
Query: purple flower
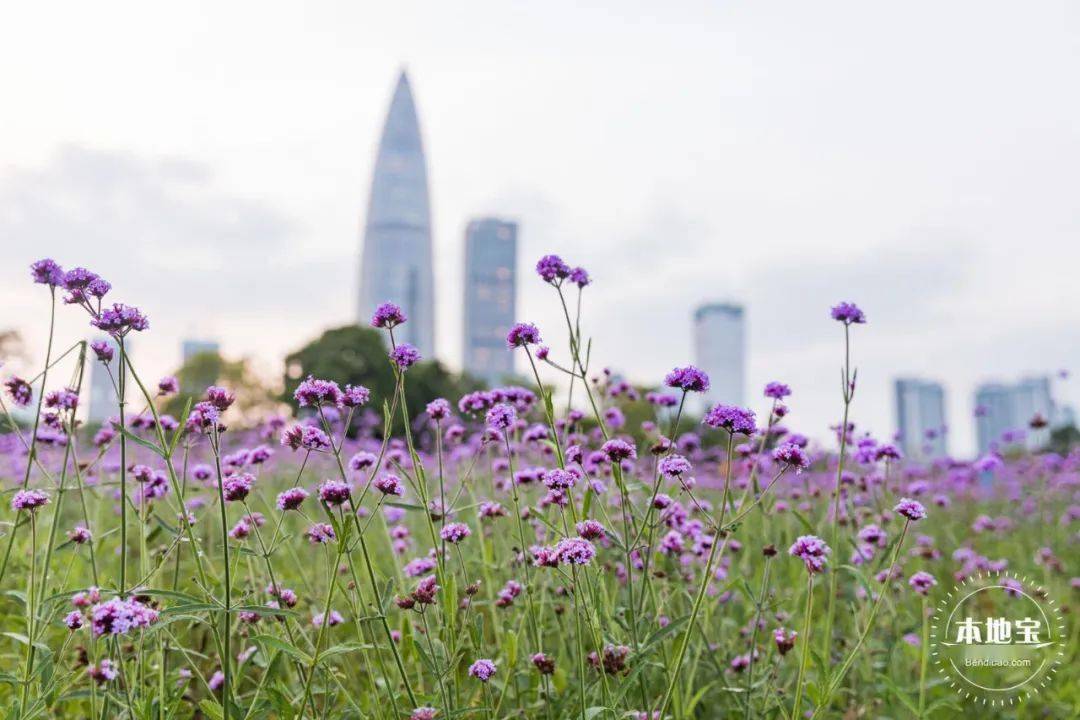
x=355, y=395
x=580, y=277
x=591, y=530
x=405, y=356
x=674, y=466
x=552, y=269
x=544, y=664
x=812, y=550
x=331, y=619
x=217, y=681
x=887, y=452
x=19, y=391
x=120, y=319
x=482, y=670
x=29, y=500
x=237, y=487
x=118, y=617
x=785, y=640
x=388, y=316
x=314, y=392
x=425, y=591
x=848, y=313
x=424, y=713
x=320, y=533
x=522, y=335
x=79, y=535
x=618, y=450
x=501, y=417
x=438, y=409
x=792, y=455
x=455, y=532
x=220, y=397
x=911, y=509
x=389, y=485
x=47, y=272
x=687, y=379
x=334, y=492
x=103, y=350
x=777, y=390
x=105, y=671
x=168, y=385
x=921, y=582
x=575, y=551
x=292, y=498
x=66, y=399
x=731, y=418
x=560, y=479
x=73, y=620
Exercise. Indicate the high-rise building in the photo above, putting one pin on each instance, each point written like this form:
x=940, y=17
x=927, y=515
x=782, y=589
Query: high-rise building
x=192, y=347
x=490, y=297
x=920, y=417
x=396, y=264
x=103, y=402
x=720, y=350
x=1001, y=409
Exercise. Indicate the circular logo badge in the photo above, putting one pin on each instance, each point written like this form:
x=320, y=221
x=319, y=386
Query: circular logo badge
x=997, y=639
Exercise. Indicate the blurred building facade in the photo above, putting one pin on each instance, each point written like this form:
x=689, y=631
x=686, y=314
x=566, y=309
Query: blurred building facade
x=490, y=301
x=1004, y=413
x=720, y=350
x=103, y=401
x=191, y=347
x=396, y=262
x=920, y=417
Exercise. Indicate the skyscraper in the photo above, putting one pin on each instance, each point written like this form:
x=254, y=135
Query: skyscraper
x=191, y=347
x=396, y=265
x=1001, y=408
x=103, y=402
x=490, y=297
x=720, y=350
x=920, y=417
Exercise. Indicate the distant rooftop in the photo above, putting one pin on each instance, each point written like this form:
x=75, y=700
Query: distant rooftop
x=718, y=308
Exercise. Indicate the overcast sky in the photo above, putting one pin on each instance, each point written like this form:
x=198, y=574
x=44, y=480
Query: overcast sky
x=213, y=160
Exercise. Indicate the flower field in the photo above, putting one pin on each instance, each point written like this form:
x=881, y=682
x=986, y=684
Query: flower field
x=513, y=553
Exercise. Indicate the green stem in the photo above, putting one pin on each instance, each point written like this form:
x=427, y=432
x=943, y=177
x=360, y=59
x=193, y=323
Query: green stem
x=805, y=647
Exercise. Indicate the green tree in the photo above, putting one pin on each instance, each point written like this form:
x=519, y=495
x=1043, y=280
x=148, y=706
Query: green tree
x=204, y=369
x=355, y=355
x=1063, y=439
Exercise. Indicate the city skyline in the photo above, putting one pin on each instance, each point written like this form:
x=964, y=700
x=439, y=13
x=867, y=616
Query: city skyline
x=720, y=350
x=233, y=186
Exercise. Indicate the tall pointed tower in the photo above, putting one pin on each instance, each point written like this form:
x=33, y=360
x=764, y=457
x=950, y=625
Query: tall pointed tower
x=396, y=264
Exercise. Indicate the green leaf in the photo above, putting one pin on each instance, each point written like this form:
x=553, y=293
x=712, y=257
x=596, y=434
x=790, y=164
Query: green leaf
x=212, y=709
x=139, y=441
x=278, y=644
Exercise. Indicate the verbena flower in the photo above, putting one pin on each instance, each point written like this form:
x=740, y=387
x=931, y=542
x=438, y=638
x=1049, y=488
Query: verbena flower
x=314, y=392
x=483, y=670
x=812, y=550
x=552, y=269
x=687, y=379
x=777, y=390
x=455, y=532
x=618, y=450
x=118, y=617
x=47, y=272
x=79, y=535
x=29, y=500
x=388, y=316
x=168, y=385
x=405, y=356
x=237, y=487
x=792, y=455
x=389, y=485
x=911, y=509
x=731, y=418
x=848, y=313
x=19, y=391
x=335, y=492
x=292, y=498
x=522, y=335
x=674, y=466
x=544, y=664
x=501, y=417
x=320, y=533
x=575, y=551
x=921, y=582
x=120, y=319
x=354, y=396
